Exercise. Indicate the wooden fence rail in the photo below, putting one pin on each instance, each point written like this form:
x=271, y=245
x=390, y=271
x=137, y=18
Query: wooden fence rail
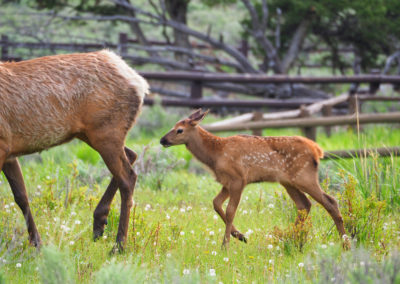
x=392, y=117
x=362, y=153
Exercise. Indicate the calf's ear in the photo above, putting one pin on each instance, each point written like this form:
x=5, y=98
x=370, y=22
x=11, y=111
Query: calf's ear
x=196, y=117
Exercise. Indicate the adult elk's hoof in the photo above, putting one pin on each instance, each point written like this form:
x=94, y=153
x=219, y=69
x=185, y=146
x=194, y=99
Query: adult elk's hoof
x=98, y=229
x=117, y=248
x=36, y=241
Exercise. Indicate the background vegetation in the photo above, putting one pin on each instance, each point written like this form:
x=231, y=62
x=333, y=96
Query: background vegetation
x=174, y=234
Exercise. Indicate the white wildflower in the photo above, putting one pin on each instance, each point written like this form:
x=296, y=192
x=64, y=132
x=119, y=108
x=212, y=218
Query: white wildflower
x=271, y=206
x=182, y=233
x=270, y=247
x=211, y=233
x=77, y=222
x=71, y=243
x=324, y=246
x=226, y=259
x=186, y=271
x=18, y=265
x=301, y=264
x=212, y=272
x=214, y=252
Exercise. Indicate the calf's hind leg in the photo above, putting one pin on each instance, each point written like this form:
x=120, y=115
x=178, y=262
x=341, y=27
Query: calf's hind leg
x=13, y=173
x=103, y=208
x=312, y=187
x=300, y=199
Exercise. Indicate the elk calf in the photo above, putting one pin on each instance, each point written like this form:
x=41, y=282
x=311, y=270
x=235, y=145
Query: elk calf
x=47, y=101
x=243, y=159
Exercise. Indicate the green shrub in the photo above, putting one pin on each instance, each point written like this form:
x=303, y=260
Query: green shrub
x=55, y=267
x=120, y=273
x=363, y=218
x=357, y=266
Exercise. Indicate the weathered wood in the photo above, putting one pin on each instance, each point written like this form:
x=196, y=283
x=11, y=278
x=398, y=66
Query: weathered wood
x=228, y=103
x=262, y=78
x=309, y=132
x=196, y=90
x=257, y=116
x=378, y=98
x=122, y=43
x=392, y=117
x=343, y=154
x=327, y=112
x=4, y=49
x=313, y=108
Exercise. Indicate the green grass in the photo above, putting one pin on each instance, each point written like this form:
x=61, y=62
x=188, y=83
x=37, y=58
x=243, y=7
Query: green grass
x=174, y=234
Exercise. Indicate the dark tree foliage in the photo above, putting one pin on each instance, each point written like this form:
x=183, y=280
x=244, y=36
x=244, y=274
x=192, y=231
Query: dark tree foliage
x=371, y=27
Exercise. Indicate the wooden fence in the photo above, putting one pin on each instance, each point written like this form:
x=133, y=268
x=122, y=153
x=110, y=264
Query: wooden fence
x=299, y=116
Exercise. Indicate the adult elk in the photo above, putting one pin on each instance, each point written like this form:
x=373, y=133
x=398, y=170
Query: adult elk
x=47, y=101
x=243, y=159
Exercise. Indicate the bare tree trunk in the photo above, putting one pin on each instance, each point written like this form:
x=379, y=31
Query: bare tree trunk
x=177, y=10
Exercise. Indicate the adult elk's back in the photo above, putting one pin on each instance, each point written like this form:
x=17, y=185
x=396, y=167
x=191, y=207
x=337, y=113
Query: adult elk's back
x=44, y=102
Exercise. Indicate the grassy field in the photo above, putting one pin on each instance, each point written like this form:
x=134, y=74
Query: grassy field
x=175, y=236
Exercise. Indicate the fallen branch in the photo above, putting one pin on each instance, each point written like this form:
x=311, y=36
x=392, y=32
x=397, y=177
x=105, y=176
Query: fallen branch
x=313, y=108
x=393, y=117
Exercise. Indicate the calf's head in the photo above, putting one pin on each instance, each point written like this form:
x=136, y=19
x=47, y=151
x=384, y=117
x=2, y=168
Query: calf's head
x=183, y=130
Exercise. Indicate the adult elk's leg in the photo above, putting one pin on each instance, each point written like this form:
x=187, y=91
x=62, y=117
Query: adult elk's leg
x=110, y=145
x=12, y=171
x=235, y=193
x=103, y=208
x=217, y=202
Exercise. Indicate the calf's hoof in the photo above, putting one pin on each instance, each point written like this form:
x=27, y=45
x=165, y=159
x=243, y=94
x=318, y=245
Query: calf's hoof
x=346, y=242
x=238, y=235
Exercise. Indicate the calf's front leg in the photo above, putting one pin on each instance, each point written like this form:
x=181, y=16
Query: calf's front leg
x=235, y=193
x=217, y=202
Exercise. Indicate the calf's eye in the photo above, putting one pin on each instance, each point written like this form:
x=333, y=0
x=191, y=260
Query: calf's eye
x=179, y=131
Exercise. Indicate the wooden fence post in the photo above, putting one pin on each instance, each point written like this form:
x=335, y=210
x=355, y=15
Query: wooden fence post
x=327, y=111
x=373, y=87
x=309, y=132
x=122, y=43
x=257, y=116
x=196, y=90
x=244, y=47
x=353, y=107
x=4, y=49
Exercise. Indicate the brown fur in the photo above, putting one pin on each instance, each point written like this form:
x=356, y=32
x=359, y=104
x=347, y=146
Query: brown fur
x=243, y=159
x=48, y=101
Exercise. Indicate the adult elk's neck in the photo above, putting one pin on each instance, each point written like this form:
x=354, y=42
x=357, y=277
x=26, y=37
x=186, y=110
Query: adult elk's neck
x=205, y=146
